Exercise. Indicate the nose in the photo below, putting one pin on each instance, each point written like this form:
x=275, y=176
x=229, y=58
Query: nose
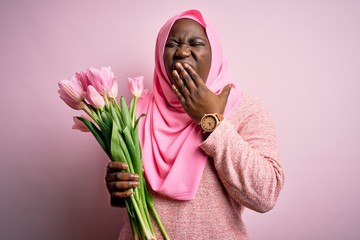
x=183, y=51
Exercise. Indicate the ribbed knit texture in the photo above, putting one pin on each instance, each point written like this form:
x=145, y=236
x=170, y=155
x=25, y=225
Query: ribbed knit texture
x=243, y=170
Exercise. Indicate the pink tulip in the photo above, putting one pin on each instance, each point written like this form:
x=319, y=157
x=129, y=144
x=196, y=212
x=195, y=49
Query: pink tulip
x=83, y=79
x=136, y=86
x=113, y=89
x=71, y=93
x=79, y=125
x=104, y=81
x=94, y=98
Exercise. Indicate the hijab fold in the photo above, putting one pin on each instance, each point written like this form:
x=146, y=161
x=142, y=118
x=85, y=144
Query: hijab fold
x=170, y=139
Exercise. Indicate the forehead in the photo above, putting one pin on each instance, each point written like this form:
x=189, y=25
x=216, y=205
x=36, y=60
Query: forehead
x=187, y=28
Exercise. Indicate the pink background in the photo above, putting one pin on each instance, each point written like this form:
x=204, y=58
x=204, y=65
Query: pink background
x=302, y=58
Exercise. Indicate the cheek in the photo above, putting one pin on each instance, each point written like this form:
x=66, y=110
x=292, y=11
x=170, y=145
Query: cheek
x=205, y=65
x=208, y=62
x=167, y=59
x=168, y=65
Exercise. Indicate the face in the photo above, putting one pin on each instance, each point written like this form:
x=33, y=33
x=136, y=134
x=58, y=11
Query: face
x=187, y=43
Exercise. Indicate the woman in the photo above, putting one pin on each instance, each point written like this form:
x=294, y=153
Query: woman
x=209, y=150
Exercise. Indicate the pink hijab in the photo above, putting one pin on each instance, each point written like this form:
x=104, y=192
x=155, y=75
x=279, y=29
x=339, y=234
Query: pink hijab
x=170, y=139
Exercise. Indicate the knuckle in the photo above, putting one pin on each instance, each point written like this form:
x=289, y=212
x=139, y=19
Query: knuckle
x=187, y=78
x=182, y=100
x=118, y=175
x=130, y=184
x=117, y=185
x=201, y=90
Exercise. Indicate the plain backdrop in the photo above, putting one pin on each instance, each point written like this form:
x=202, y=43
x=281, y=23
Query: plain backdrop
x=301, y=58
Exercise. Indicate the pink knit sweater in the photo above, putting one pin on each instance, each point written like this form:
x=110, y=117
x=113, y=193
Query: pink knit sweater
x=243, y=170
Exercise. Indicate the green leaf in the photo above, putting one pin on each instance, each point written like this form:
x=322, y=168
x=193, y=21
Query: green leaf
x=125, y=115
x=136, y=141
x=125, y=150
x=115, y=149
x=106, y=131
x=138, y=119
x=135, y=155
x=106, y=119
x=115, y=116
x=96, y=132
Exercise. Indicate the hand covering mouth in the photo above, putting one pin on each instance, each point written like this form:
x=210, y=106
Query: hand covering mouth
x=182, y=63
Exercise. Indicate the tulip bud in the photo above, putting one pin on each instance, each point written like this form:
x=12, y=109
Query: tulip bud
x=71, y=93
x=113, y=89
x=136, y=86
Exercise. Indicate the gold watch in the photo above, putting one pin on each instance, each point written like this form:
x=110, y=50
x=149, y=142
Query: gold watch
x=209, y=122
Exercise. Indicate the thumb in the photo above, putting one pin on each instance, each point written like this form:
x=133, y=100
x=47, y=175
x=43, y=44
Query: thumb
x=226, y=91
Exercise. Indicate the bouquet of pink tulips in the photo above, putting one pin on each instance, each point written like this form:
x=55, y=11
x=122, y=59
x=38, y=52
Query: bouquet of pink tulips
x=115, y=127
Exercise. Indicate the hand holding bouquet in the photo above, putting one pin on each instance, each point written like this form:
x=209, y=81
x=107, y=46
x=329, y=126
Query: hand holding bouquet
x=115, y=127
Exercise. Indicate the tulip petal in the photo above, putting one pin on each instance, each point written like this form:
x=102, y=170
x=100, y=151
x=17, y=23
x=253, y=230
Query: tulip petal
x=113, y=91
x=136, y=85
x=83, y=79
x=94, y=98
x=97, y=81
x=71, y=92
x=79, y=125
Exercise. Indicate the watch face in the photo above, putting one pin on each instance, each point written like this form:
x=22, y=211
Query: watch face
x=208, y=123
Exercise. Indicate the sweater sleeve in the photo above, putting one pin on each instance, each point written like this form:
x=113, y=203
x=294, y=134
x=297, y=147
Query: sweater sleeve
x=246, y=156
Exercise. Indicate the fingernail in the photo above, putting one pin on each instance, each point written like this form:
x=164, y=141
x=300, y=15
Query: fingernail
x=124, y=165
x=136, y=177
x=135, y=184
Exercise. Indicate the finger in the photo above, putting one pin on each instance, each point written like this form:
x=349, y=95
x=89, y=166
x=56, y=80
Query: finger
x=121, y=186
x=119, y=195
x=186, y=77
x=226, y=91
x=180, y=85
x=177, y=93
x=116, y=166
x=121, y=176
x=197, y=80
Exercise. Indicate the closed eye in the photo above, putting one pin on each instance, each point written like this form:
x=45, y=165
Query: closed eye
x=171, y=44
x=197, y=44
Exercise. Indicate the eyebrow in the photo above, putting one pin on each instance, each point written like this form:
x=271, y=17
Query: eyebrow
x=190, y=39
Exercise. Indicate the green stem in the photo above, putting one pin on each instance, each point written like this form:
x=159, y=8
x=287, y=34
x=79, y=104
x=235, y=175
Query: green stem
x=106, y=100
x=88, y=113
x=91, y=112
x=142, y=222
x=156, y=217
x=117, y=105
